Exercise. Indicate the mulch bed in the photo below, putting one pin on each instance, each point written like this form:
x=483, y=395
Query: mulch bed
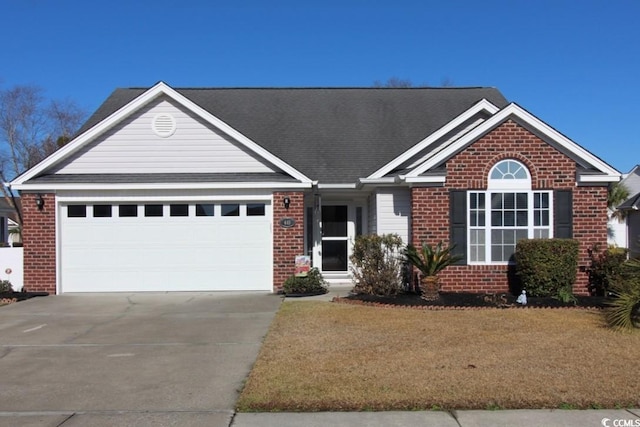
x=461, y=301
x=9, y=297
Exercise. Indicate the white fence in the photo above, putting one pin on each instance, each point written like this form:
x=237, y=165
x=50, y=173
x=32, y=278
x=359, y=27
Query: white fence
x=11, y=266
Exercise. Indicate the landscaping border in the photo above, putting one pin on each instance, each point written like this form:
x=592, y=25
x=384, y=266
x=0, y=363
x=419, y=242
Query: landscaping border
x=343, y=300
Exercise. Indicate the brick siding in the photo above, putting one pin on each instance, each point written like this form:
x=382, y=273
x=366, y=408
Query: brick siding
x=39, y=240
x=287, y=242
x=469, y=169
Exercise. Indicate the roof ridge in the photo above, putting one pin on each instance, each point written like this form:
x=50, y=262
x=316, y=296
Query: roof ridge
x=319, y=88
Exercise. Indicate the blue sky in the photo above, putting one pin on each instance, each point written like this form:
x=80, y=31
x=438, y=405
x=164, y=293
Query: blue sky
x=574, y=64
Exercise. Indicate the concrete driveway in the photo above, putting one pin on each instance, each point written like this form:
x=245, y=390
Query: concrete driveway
x=157, y=359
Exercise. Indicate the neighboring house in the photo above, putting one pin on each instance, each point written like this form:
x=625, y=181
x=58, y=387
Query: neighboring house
x=631, y=206
x=11, y=267
x=616, y=231
x=15, y=237
x=219, y=189
x=5, y=213
x=8, y=224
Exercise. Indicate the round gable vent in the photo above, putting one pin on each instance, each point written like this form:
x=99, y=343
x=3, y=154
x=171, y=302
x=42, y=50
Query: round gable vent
x=164, y=125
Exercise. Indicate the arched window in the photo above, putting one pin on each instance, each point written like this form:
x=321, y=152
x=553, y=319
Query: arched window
x=509, y=174
x=507, y=212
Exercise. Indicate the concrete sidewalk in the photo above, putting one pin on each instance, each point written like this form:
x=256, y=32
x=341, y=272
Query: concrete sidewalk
x=507, y=418
x=512, y=418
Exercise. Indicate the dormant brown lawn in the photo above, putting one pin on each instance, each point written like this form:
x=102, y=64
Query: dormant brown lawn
x=328, y=356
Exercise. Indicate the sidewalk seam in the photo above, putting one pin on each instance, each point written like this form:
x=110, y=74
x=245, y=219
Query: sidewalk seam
x=66, y=419
x=233, y=418
x=454, y=415
x=633, y=414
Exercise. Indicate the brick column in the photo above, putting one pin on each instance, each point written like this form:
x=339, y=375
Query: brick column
x=287, y=242
x=39, y=239
x=429, y=215
x=589, y=228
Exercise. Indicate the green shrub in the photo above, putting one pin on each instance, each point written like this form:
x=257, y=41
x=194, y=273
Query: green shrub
x=547, y=267
x=5, y=286
x=624, y=311
x=312, y=283
x=377, y=264
x=605, y=268
x=566, y=296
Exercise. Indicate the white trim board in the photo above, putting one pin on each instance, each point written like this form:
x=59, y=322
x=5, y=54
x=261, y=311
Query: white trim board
x=161, y=186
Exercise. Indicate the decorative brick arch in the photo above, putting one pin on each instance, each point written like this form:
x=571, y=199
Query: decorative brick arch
x=513, y=156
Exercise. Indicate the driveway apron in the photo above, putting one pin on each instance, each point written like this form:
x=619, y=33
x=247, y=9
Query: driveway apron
x=91, y=358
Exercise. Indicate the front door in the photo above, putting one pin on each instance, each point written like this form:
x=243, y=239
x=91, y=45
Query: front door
x=335, y=238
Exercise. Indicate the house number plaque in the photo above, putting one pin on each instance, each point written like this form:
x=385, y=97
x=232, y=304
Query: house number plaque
x=287, y=222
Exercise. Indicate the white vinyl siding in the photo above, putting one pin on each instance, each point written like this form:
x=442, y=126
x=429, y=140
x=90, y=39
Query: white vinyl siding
x=373, y=225
x=393, y=207
x=133, y=147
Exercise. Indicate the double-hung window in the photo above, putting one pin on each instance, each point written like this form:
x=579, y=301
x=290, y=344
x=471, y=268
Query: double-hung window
x=508, y=211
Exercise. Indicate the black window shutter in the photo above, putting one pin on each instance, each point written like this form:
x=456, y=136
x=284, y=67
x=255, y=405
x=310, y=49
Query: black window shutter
x=563, y=209
x=458, y=223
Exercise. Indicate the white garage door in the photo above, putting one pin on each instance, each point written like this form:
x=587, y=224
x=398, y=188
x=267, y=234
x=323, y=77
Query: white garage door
x=180, y=246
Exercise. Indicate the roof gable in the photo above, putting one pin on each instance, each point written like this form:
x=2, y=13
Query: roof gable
x=133, y=146
x=99, y=125
x=595, y=169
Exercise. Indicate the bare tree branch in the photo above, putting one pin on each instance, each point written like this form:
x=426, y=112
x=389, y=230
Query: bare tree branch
x=66, y=118
x=31, y=129
x=393, y=82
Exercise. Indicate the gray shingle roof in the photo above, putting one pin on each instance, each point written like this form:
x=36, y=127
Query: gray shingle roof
x=632, y=203
x=632, y=183
x=632, y=180
x=334, y=135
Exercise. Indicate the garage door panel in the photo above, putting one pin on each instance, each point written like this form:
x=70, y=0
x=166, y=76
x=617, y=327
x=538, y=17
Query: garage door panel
x=165, y=253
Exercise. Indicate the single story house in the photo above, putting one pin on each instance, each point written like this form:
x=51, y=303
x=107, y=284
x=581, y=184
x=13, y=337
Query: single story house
x=631, y=208
x=204, y=189
x=9, y=227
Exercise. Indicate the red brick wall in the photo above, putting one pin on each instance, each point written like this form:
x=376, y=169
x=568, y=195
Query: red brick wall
x=287, y=242
x=469, y=169
x=589, y=227
x=39, y=239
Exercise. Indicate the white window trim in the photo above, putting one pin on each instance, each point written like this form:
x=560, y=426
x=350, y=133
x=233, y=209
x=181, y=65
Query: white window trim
x=502, y=186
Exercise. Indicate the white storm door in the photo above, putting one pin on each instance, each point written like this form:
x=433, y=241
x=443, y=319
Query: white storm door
x=335, y=238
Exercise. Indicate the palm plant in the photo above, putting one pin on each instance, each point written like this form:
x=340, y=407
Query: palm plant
x=430, y=261
x=616, y=195
x=624, y=311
